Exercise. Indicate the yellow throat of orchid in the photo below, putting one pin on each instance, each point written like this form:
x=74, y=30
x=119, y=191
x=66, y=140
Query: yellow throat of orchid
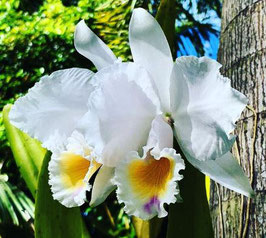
x=74, y=169
x=149, y=177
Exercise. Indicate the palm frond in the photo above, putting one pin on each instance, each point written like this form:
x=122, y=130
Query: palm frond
x=15, y=207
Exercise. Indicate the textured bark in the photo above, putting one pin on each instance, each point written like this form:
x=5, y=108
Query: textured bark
x=243, y=56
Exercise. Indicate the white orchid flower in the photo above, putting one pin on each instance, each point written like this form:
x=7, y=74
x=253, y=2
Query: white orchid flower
x=190, y=94
x=128, y=124
x=50, y=112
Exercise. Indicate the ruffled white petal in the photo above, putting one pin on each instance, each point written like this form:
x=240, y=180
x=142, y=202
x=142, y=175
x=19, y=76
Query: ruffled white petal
x=89, y=127
x=69, y=172
x=226, y=171
x=78, y=145
x=204, y=107
x=50, y=110
x=92, y=47
x=146, y=184
x=150, y=49
x=160, y=137
x=125, y=105
x=102, y=185
x=67, y=195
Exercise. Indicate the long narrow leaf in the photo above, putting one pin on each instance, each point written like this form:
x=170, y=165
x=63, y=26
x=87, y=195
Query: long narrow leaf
x=7, y=213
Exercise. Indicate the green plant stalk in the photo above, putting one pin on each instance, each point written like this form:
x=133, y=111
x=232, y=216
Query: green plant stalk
x=191, y=218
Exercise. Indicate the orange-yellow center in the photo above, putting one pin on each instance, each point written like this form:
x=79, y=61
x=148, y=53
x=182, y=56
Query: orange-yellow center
x=73, y=169
x=150, y=177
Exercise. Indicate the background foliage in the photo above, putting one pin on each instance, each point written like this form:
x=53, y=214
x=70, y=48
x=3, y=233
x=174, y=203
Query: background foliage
x=36, y=38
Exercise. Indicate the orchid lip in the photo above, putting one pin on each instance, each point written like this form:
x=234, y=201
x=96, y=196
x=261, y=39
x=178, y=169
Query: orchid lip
x=153, y=203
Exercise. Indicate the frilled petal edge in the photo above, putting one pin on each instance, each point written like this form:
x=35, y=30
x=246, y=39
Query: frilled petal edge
x=145, y=184
x=51, y=109
x=70, y=171
x=204, y=107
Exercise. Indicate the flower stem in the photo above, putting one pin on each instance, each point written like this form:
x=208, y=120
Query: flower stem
x=191, y=218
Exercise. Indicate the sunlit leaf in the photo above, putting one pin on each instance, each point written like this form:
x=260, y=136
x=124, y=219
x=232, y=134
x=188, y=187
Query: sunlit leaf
x=27, y=152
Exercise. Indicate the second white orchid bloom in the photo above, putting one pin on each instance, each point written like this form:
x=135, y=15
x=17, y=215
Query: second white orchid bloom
x=51, y=111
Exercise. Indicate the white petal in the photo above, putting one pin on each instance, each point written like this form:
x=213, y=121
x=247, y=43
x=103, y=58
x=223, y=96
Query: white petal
x=124, y=109
x=150, y=49
x=70, y=171
x=226, y=171
x=68, y=193
x=50, y=110
x=161, y=136
x=78, y=145
x=102, y=185
x=145, y=184
x=92, y=47
x=89, y=127
x=204, y=107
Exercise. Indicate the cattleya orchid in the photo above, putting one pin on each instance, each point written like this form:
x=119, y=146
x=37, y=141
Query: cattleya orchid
x=122, y=121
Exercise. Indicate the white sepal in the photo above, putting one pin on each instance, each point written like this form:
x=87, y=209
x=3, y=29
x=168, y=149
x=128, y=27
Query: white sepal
x=150, y=49
x=88, y=44
x=226, y=171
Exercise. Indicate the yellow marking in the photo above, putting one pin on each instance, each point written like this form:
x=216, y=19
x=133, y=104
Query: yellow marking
x=150, y=177
x=74, y=168
x=208, y=187
x=93, y=168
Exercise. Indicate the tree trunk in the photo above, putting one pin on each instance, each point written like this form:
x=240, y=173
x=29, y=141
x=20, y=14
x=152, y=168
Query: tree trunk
x=243, y=56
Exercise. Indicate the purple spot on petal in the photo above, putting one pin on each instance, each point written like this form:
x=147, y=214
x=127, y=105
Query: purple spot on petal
x=154, y=203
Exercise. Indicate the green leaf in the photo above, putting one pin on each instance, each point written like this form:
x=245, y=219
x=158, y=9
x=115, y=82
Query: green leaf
x=51, y=218
x=34, y=149
x=27, y=152
x=191, y=218
x=166, y=17
x=8, y=214
x=15, y=207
